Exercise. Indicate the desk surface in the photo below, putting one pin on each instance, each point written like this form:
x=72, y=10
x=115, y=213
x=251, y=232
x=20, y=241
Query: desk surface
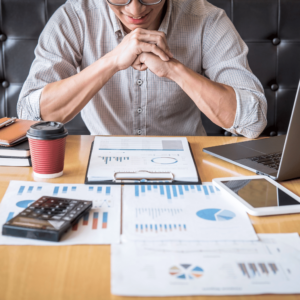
x=83, y=271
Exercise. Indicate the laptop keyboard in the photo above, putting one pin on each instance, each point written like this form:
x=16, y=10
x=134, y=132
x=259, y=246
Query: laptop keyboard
x=271, y=160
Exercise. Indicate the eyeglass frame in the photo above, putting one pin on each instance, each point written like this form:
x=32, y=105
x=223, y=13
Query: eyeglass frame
x=129, y=1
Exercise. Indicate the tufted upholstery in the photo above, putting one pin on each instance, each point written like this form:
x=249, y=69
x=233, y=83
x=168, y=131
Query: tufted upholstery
x=271, y=29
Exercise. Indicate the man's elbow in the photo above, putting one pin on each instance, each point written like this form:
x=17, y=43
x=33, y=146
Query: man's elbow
x=255, y=130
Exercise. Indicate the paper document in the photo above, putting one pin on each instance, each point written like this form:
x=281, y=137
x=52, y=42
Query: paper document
x=182, y=212
x=100, y=226
x=148, y=269
x=111, y=155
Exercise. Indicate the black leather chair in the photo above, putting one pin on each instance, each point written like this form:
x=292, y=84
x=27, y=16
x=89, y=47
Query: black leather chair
x=271, y=29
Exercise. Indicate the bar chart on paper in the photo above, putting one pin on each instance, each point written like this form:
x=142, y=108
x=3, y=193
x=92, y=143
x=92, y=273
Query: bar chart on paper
x=113, y=159
x=175, y=191
x=181, y=212
x=184, y=273
x=101, y=225
x=256, y=270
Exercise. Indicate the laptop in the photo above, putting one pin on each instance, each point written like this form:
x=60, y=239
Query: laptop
x=277, y=157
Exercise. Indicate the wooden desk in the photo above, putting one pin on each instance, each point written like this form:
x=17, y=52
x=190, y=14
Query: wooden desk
x=83, y=272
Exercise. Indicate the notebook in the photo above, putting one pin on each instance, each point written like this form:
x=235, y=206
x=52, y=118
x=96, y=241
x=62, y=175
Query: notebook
x=15, y=132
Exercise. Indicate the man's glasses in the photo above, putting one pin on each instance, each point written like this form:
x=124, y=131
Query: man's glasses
x=126, y=2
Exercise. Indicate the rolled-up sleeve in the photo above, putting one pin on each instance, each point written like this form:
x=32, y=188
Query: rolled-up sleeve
x=57, y=56
x=225, y=61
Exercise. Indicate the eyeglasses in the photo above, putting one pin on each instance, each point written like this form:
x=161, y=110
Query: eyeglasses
x=126, y=2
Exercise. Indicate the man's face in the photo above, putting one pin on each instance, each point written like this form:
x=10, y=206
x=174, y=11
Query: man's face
x=135, y=15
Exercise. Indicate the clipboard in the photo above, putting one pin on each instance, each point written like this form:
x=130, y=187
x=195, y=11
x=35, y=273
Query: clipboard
x=142, y=181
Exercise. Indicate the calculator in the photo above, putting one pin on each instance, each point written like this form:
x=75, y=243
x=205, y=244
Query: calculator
x=48, y=218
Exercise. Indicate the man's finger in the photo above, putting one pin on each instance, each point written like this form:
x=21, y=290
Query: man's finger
x=146, y=47
x=139, y=64
x=152, y=36
x=158, y=40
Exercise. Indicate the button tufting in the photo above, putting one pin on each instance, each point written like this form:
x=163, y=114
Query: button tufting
x=5, y=84
x=2, y=37
x=274, y=87
x=276, y=41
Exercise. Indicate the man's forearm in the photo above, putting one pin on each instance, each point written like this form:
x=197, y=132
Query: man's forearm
x=217, y=101
x=62, y=100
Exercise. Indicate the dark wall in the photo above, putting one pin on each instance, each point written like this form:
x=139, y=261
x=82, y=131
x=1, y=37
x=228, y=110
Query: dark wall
x=271, y=29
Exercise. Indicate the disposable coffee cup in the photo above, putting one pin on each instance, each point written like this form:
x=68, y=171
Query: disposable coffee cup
x=47, y=141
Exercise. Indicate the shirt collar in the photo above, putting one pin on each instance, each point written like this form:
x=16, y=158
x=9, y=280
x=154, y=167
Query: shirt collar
x=117, y=26
x=166, y=20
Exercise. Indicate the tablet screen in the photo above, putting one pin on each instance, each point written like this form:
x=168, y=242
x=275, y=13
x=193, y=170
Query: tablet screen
x=260, y=193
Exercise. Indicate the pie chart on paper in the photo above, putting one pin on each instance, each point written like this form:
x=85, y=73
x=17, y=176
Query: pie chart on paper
x=24, y=203
x=186, y=271
x=215, y=214
x=164, y=160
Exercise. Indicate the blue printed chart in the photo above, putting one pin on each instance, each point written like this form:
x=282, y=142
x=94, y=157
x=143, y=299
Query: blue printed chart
x=175, y=191
x=114, y=159
x=99, y=226
x=257, y=270
x=215, y=214
x=181, y=212
x=186, y=271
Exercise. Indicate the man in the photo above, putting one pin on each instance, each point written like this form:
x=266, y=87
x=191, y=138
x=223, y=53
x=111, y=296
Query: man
x=137, y=67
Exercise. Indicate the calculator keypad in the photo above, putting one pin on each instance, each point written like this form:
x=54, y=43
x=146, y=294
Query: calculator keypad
x=58, y=209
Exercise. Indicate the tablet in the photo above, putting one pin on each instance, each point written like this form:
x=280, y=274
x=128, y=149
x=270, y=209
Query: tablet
x=259, y=195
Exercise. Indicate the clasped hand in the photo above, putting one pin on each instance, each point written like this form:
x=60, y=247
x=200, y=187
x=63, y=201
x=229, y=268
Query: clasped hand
x=143, y=49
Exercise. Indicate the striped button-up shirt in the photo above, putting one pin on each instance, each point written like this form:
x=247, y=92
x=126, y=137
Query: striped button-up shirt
x=200, y=36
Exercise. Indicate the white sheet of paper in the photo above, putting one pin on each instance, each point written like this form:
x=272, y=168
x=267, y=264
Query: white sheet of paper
x=100, y=226
x=169, y=269
x=129, y=154
x=182, y=212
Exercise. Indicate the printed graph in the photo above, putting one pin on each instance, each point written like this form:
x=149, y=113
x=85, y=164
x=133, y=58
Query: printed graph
x=174, y=191
x=112, y=159
x=159, y=228
x=157, y=212
x=215, y=214
x=164, y=160
x=186, y=271
x=65, y=190
x=22, y=189
x=252, y=270
x=91, y=219
x=101, y=225
x=21, y=204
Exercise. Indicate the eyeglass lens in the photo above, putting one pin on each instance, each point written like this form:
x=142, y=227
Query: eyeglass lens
x=123, y=2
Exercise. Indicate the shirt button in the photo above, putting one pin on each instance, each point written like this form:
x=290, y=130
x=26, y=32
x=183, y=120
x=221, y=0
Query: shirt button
x=139, y=82
x=139, y=110
x=139, y=132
